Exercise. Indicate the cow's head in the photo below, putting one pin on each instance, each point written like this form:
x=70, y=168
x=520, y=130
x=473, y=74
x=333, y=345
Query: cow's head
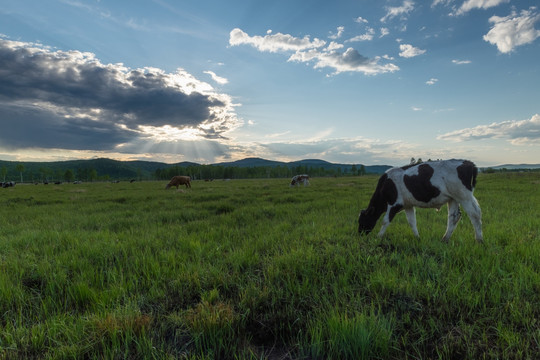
x=367, y=221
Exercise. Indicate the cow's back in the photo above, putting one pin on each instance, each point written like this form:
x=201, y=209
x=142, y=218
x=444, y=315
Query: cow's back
x=432, y=183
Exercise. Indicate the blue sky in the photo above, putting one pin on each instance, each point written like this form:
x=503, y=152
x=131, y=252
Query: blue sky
x=370, y=82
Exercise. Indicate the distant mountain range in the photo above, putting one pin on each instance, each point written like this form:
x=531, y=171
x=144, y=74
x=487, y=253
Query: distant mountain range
x=516, y=166
x=115, y=169
x=314, y=163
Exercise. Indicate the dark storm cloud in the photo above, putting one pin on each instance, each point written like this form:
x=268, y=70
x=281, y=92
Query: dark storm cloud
x=31, y=126
x=75, y=101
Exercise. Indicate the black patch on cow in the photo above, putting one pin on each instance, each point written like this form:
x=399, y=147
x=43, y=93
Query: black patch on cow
x=385, y=193
x=420, y=185
x=467, y=173
x=377, y=204
x=394, y=210
x=389, y=191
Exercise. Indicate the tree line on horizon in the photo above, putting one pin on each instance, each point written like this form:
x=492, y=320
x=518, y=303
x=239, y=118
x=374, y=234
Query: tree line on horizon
x=41, y=174
x=210, y=172
x=45, y=174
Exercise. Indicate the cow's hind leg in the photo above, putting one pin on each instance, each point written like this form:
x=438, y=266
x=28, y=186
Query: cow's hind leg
x=453, y=218
x=472, y=208
x=411, y=219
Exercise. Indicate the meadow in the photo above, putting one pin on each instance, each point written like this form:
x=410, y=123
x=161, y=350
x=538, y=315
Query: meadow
x=254, y=269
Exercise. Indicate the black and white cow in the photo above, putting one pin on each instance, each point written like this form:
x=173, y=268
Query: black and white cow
x=8, y=184
x=427, y=185
x=297, y=179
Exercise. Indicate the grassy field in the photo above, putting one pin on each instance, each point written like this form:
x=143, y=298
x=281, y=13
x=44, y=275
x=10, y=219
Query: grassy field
x=253, y=269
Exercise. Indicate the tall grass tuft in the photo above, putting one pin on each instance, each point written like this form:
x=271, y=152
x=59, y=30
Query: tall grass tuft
x=357, y=336
x=214, y=327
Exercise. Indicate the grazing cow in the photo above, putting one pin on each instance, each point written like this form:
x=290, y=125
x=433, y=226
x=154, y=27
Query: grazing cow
x=8, y=184
x=179, y=180
x=297, y=179
x=427, y=185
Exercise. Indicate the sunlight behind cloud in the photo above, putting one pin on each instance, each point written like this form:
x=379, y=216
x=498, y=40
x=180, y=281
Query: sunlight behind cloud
x=169, y=133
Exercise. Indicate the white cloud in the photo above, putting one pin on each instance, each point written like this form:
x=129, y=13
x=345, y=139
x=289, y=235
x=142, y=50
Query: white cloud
x=360, y=20
x=274, y=43
x=345, y=150
x=368, y=36
x=432, y=81
x=478, y=4
x=392, y=12
x=220, y=80
x=337, y=35
x=461, y=62
x=384, y=32
x=308, y=51
x=333, y=46
x=519, y=132
x=511, y=31
x=437, y=2
x=409, y=51
x=350, y=60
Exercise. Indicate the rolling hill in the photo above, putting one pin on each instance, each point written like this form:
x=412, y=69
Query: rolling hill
x=105, y=169
x=108, y=169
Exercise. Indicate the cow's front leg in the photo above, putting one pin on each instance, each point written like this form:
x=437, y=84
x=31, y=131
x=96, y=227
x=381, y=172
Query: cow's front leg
x=391, y=212
x=385, y=224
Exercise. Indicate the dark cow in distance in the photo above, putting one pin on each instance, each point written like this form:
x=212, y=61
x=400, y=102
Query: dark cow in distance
x=297, y=179
x=427, y=185
x=179, y=180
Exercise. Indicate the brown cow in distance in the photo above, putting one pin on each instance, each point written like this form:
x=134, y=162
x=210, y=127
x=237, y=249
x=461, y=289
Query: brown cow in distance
x=179, y=180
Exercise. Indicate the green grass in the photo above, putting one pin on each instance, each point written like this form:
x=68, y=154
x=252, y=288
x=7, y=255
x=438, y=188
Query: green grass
x=253, y=269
